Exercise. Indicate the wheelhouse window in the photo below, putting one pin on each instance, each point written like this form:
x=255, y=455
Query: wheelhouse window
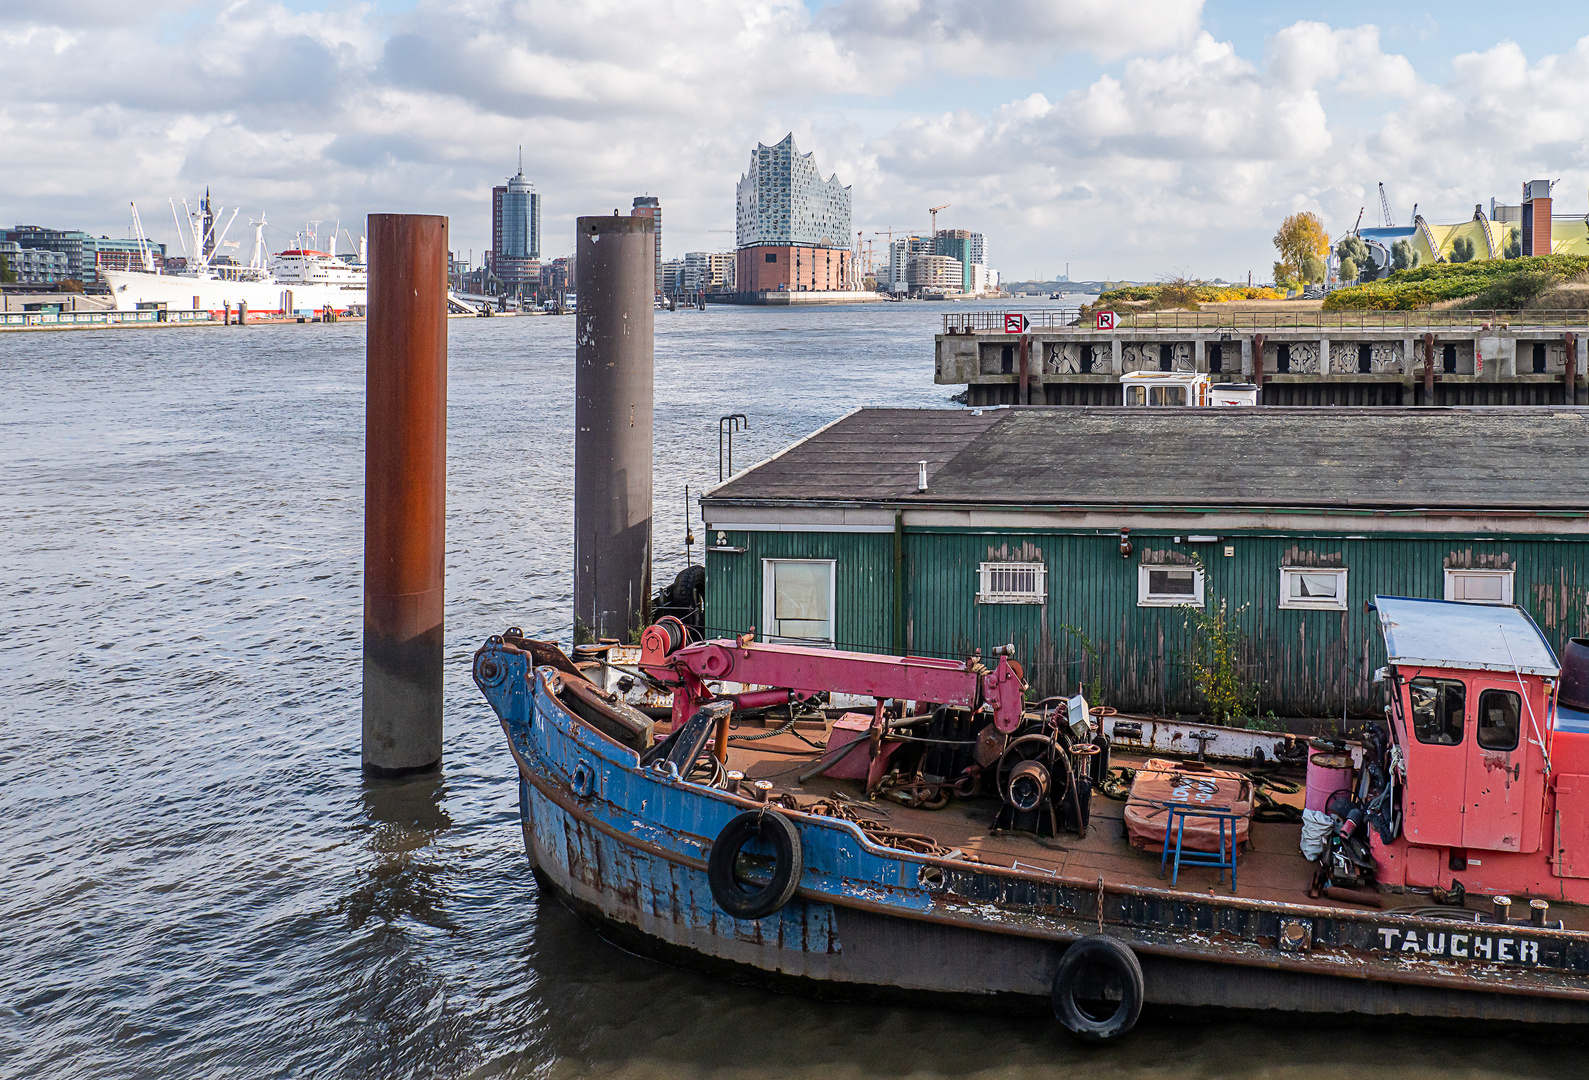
x=797, y=597
x=1480, y=586
x=1312, y=588
x=1437, y=710
x=1500, y=719
x=1012, y=583
x=1169, y=586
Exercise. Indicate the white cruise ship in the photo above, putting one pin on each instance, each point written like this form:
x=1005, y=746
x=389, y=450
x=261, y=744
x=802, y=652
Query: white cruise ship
x=300, y=280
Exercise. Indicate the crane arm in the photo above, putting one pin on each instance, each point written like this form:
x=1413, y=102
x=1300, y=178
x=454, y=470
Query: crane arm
x=803, y=669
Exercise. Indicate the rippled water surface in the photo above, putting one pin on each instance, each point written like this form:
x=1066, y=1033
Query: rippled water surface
x=194, y=878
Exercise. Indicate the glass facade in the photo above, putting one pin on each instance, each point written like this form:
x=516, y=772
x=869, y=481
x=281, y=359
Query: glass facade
x=518, y=213
x=782, y=199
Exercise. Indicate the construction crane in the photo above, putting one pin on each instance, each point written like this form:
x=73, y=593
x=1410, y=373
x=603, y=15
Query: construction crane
x=934, y=212
x=1359, y=222
x=1384, y=205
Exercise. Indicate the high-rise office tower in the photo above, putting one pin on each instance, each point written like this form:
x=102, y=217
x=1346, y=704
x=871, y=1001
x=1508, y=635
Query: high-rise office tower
x=650, y=206
x=516, y=232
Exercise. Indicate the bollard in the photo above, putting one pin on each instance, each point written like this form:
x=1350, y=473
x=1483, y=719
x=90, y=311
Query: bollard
x=242, y=313
x=613, y=347
x=405, y=492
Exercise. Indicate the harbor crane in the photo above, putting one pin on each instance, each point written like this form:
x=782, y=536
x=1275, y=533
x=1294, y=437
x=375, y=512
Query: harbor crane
x=1384, y=205
x=934, y=212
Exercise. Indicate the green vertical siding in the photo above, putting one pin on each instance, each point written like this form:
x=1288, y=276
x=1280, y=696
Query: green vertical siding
x=1308, y=663
x=863, y=589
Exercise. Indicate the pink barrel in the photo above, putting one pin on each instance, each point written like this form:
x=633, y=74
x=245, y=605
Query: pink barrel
x=1327, y=774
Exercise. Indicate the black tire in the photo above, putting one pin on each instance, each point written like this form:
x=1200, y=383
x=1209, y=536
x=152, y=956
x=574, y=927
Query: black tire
x=1101, y=966
x=739, y=898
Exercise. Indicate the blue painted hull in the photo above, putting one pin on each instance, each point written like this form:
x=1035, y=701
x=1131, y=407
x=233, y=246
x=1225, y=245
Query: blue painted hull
x=627, y=848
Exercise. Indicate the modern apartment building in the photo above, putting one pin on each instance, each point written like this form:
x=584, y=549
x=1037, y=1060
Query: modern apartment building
x=515, y=256
x=35, y=266
x=938, y=272
x=900, y=254
x=965, y=246
x=792, y=228
x=709, y=272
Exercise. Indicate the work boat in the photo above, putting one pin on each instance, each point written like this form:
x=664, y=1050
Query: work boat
x=956, y=842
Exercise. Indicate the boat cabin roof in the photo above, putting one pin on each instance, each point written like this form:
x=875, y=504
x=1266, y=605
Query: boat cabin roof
x=1455, y=634
x=1179, y=378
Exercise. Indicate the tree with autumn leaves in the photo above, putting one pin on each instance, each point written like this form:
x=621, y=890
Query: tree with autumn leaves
x=1303, y=245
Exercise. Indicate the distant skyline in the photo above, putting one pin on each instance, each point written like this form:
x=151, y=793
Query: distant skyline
x=1131, y=140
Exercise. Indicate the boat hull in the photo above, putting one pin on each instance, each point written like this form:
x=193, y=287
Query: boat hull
x=629, y=855
x=130, y=288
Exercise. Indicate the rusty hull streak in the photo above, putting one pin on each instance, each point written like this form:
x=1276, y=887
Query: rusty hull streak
x=1034, y=926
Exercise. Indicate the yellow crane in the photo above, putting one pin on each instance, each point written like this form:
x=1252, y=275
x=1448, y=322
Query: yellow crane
x=934, y=212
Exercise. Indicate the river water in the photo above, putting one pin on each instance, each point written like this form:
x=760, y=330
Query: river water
x=195, y=880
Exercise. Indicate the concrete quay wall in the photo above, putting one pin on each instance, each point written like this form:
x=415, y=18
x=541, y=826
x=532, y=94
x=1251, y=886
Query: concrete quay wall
x=1512, y=365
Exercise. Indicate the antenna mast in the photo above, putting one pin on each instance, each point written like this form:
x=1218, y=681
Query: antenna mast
x=145, y=254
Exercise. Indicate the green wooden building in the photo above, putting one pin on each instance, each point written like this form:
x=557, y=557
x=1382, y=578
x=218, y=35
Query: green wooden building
x=1103, y=542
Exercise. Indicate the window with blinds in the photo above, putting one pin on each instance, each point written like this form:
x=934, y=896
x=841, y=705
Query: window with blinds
x=1013, y=583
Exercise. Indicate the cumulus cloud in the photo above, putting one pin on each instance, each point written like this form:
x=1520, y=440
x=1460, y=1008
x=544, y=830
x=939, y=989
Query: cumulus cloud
x=1180, y=153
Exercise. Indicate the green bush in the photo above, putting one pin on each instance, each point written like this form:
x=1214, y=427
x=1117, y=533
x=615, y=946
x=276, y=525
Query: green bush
x=1406, y=290
x=1514, y=291
x=1462, y=250
x=1173, y=294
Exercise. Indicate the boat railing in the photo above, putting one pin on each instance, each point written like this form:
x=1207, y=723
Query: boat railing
x=102, y=318
x=1070, y=319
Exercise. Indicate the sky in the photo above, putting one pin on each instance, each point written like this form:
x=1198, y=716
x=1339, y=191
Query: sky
x=1137, y=140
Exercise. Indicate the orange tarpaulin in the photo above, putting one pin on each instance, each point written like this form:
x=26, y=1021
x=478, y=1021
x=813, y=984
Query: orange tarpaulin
x=1160, y=781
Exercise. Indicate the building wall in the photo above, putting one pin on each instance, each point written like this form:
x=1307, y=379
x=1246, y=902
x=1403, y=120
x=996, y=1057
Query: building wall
x=778, y=267
x=1306, y=663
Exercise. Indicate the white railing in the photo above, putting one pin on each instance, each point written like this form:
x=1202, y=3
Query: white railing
x=100, y=318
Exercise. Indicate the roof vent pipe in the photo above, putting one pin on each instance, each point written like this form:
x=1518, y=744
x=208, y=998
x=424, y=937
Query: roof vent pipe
x=921, y=476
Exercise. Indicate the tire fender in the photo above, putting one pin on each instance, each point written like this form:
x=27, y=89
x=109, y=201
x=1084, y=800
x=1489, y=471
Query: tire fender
x=1080, y=967
x=744, y=900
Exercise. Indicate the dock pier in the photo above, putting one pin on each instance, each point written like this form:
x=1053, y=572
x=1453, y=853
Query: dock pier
x=1304, y=358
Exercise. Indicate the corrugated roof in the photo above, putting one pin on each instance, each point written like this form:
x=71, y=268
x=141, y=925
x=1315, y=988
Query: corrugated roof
x=1461, y=459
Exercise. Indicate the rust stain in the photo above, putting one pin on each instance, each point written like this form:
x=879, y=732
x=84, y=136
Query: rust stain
x=1296, y=556
x=1468, y=559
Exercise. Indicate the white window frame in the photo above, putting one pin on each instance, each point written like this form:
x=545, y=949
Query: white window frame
x=1149, y=599
x=986, y=594
x=769, y=598
x=1313, y=603
x=1508, y=580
